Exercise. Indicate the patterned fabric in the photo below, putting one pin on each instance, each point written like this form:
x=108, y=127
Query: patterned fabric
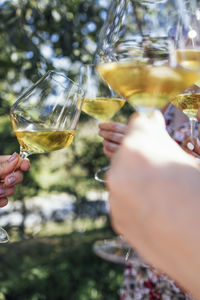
x=141, y=282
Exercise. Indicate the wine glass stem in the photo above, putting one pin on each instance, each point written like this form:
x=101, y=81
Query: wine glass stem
x=4, y=238
x=146, y=110
x=23, y=154
x=192, y=128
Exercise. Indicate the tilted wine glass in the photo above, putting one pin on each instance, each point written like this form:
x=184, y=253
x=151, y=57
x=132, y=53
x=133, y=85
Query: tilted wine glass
x=44, y=118
x=100, y=101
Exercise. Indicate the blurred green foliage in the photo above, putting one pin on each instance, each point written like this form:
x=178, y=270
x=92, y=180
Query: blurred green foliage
x=36, y=36
x=58, y=267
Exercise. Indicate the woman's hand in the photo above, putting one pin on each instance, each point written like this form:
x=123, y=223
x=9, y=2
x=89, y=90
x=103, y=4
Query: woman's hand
x=11, y=168
x=112, y=134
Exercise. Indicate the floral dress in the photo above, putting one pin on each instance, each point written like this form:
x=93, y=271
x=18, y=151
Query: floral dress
x=142, y=282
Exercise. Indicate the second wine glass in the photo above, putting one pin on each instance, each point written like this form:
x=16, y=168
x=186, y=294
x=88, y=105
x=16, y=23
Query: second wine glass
x=100, y=101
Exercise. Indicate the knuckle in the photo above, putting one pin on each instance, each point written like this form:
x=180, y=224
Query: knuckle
x=111, y=135
x=3, y=167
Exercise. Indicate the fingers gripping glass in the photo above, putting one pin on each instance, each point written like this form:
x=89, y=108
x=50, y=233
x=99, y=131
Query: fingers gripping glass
x=45, y=117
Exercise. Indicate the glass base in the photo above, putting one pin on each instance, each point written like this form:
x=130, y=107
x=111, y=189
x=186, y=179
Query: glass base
x=4, y=238
x=116, y=250
x=100, y=174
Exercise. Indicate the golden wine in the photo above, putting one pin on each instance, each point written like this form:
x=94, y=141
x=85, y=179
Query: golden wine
x=188, y=58
x=45, y=140
x=144, y=85
x=189, y=104
x=102, y=108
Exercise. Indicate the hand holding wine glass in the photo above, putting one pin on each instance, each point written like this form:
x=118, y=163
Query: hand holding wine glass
x=152, y=53
x=11, y=167
x=44, y=118
x=100, y=101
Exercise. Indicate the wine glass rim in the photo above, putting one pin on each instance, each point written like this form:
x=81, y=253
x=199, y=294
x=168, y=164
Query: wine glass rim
x=88, y=65
x=49, y=72
x=60, y=73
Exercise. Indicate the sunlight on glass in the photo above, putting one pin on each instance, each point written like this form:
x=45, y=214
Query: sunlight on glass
x=198, y=14
x=192, y=34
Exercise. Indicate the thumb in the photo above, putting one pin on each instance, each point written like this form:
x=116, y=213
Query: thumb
x=157, y=118
x=143, y=120
x=8, y=166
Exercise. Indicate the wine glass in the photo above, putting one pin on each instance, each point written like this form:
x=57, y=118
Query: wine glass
x=189, y=103
x=153, y=50
x=44, y=118
x=100, y=101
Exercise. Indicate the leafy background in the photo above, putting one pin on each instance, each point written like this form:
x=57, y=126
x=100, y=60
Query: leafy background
x=54, y=258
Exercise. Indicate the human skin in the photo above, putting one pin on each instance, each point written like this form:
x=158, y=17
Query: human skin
x=11, y=173
x=112, y=134
x=154, y=200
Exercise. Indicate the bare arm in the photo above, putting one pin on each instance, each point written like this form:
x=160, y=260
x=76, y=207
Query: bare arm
x=154, y=198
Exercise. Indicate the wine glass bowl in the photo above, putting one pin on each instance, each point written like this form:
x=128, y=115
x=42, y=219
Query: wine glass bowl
x=44, y=118
x=100, y=101
x=153, y=50
x=189, y=102
x=149, y=54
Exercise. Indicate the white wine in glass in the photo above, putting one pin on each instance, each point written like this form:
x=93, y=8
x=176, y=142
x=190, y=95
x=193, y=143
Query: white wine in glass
x=100, y=101
x=102, y=108
x=153, y=48
x=153, y=52
x=44, y=118
x=147, y=86
x=189, y=103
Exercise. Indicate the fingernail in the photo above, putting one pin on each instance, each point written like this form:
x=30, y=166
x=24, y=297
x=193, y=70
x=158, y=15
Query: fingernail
x=190, y=146
x=2, y=191
x=12, y=157
x=11, y=179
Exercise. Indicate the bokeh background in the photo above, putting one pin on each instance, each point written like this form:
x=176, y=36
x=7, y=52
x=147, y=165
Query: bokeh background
x=59, y=210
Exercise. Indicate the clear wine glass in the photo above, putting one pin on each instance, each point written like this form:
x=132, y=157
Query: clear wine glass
x=189, y=103
x=44, y=118
x=153, y=51
x=100, y=101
